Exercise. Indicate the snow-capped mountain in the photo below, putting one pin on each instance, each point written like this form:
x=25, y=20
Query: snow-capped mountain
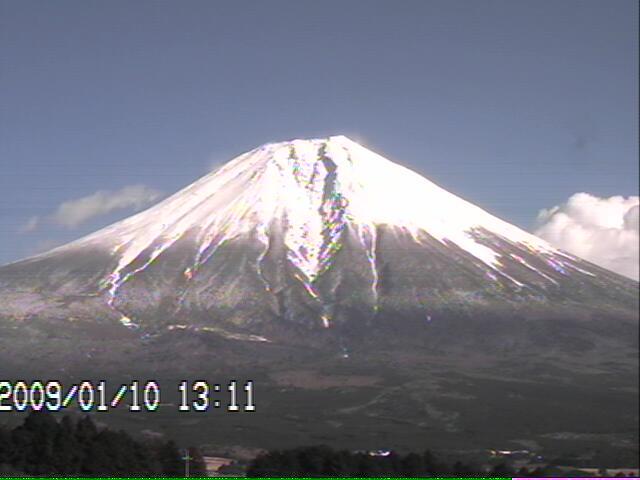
x=388, y=307
x=316, y=232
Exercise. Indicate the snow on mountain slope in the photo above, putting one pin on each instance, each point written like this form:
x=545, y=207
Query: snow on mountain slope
x=315, y=198
x=319, y=257
x=319, y=186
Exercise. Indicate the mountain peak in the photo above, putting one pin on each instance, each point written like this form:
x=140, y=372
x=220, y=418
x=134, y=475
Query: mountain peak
x=316, y=196
x=319, y=255
x=315, y=189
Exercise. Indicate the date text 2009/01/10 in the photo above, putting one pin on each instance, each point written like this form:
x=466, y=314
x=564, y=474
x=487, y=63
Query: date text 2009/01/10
x=198, y=396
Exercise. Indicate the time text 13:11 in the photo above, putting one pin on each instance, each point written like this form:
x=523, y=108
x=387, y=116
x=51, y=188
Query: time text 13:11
x=201, y=395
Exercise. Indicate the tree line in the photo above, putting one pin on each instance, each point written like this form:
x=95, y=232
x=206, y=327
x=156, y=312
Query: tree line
x=44, y=446
x=323, y=461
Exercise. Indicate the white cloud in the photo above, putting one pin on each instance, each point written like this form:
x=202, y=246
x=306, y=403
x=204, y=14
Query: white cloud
x=601, y=230
x=74, y=212
x=30, y=225
x=219, y=158
x=43, y=246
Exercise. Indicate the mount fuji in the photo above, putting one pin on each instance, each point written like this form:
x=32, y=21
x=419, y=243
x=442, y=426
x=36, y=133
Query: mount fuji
x=326, y=218
x=325, y=255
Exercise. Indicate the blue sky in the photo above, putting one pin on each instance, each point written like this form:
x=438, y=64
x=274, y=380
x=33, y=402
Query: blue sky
x=513, y=105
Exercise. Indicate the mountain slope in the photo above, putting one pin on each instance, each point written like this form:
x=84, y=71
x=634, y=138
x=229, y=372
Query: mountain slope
x=371, y=307
x=324, y=216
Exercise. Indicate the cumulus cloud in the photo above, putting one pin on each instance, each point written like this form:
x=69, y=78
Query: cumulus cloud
x=30, y=225
x=74, y=212
x=218, y=158
x=43, y=246
x=601, y=230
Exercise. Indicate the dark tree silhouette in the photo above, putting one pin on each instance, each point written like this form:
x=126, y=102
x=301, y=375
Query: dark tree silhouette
x=43, y=446
x=171, y=464
x=322, y=461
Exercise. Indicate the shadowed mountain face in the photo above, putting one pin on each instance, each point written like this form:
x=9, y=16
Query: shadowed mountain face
x=318, y=267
